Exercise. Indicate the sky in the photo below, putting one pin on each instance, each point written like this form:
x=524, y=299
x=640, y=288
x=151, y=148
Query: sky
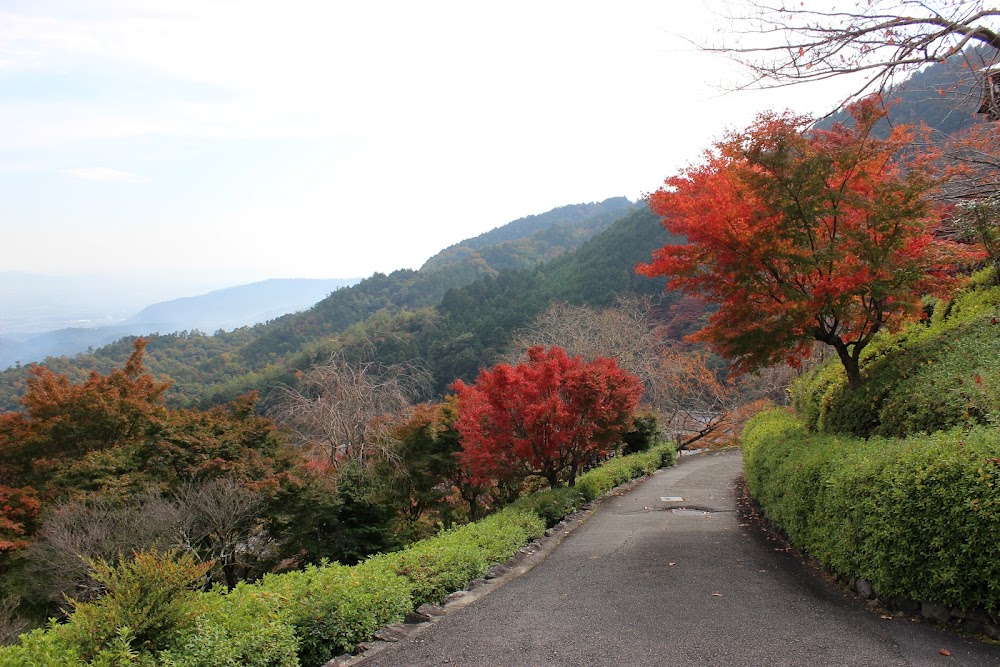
x=209, y=143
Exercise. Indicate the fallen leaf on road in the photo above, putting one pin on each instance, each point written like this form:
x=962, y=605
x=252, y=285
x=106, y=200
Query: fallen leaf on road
x=887, y=618
x=944, y=651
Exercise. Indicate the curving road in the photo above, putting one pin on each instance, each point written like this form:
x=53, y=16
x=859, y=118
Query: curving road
x=643, y=584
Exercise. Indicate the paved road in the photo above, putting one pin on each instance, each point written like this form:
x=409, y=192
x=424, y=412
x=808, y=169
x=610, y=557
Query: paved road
x=640, y=584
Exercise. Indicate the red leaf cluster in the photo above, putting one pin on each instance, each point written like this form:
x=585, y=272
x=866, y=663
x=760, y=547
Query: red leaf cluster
x=800, y=234
x=544, y=417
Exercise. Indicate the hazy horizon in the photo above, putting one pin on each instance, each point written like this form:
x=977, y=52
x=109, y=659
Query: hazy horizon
x=147, y=138
x=48, y=302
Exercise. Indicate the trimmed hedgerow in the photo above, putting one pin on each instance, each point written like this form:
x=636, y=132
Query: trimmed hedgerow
x=599, y=481
x=334, y=607
x=245, y=627
x=918, y=517
x=928, y=377
x=551, y=505
x=447, y=562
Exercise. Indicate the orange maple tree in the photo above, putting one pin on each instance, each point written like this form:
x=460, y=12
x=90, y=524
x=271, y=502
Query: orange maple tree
x=112, y=434
x=800, y=234
x=544, y=417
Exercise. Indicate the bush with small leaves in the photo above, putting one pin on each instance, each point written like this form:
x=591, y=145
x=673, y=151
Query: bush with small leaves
x=40, y=648
x=551, y=505
x=150, y=594
x=244, y=627
x=447, y=562
x=918, y=516
x=334, y=607
x=617, y=471
x=437, y=566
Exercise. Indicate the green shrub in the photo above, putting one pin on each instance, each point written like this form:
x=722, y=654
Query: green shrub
x=645, y=429
x=552, y=504
x=594, y=484
x=245, y=627
x=334, y=607
x=928, y=377
x=614, y=472
x=150, y=595
x=918, y=517
x=40, y=648
x=500, y=535
x=447, y=562
x=437, y=566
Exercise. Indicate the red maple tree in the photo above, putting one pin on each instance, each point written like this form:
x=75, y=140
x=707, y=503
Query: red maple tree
x=800, y=234
x=544, y=417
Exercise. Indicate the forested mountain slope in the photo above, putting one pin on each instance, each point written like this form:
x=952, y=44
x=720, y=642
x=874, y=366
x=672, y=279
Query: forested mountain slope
x=942, y=96
x=522, y=243
x=200, y=365
x=472, y=325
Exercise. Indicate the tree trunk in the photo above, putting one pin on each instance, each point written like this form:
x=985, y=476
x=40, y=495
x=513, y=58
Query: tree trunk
x=849, y=354
x=229, y=572
x=850, y=363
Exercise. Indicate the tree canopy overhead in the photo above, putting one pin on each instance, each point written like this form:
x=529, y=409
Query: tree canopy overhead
x=796, y=235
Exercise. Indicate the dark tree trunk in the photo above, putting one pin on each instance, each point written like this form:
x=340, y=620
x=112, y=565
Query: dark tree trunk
x=850, y=363
x=229, y=572
x=849, y=354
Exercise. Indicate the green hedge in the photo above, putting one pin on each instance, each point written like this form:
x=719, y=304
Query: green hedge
x=929, y=377
x=305, y=617
x=248, y=626
x=619, y=470
x=918, y=517
x=334, y=607
x=448, y=561
x=551, y=505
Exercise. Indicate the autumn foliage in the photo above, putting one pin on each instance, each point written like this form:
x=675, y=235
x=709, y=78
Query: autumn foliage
x=112, y=435
x=800, y=234
x=544, y=417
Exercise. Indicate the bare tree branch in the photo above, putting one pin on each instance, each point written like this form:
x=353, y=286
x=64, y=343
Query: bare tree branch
x=344, y=412
x=875, y=39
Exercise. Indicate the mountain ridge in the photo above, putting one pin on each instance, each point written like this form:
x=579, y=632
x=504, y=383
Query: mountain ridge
x=200, y=365
x=227, y=308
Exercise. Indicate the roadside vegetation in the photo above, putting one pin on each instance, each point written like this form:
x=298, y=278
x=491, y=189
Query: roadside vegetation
x=897, y=482
x=153, y=611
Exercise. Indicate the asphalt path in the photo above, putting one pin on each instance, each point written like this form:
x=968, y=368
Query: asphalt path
x=649, y=581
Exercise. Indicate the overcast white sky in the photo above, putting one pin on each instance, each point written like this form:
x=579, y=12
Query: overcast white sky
x=229, y=141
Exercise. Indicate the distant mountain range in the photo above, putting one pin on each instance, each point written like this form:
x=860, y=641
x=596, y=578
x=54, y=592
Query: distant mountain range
x=424, y=314
x=223, y=309
x=236, y=306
